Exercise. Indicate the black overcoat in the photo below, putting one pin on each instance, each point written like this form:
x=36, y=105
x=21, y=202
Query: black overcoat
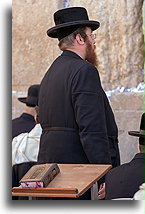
x=124, y=181
x=77, y=121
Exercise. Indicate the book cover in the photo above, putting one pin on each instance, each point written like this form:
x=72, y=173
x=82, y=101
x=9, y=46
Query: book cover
x=40, y=175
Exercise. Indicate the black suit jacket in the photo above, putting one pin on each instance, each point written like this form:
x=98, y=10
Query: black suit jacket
x=76, y=117
x=22, y=124
x=123, y=181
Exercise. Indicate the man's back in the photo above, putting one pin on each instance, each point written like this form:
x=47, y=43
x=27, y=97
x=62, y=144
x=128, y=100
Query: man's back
x=123, y=181
x=22, y=124
x=71, y=113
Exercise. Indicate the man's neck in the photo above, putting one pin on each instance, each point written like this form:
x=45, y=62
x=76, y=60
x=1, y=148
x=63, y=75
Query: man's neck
x=30, y=110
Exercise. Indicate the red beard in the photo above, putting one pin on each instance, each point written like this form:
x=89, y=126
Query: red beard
x=91, y=54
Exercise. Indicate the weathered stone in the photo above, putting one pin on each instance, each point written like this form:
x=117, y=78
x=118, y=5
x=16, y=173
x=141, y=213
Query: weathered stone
x=127, y=101
x=119, y=44
x=17, y=106
x=119, y=40
x=33, y=51
x=127, y=108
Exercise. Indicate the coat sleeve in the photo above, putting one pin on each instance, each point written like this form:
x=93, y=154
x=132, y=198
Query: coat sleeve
x=89, y=108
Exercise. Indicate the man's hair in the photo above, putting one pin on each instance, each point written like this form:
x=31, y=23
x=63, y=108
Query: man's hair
x=68, y=41
x=37, y=114
x=142, y=148
x=141, y=144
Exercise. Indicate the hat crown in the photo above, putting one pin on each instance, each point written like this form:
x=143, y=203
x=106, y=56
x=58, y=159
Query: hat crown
x=33, y=91
x=68, y=20
x=70, y=15
x=32, y=96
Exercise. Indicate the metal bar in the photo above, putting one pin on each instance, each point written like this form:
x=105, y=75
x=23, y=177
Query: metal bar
x=94, y=191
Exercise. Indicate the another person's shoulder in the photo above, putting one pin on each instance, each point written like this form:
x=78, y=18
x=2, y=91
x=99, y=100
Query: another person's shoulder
x=16, y=119
x=117, y=170
x=21, y=117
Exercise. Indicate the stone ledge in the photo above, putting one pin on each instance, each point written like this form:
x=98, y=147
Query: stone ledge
x=128, y=101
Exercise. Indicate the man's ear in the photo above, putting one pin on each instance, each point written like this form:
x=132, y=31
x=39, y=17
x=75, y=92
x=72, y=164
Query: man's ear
x=79, y=39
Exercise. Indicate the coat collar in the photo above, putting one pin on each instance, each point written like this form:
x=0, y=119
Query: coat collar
x=139, y=156
x=27, y=116
x=71, y=54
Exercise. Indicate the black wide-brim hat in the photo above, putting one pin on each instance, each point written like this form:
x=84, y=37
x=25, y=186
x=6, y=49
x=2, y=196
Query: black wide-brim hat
x=141, y=132
x=32, y=98
x=70, y=19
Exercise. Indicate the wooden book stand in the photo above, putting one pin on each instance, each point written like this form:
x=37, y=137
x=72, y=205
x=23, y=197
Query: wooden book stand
x=72, y=181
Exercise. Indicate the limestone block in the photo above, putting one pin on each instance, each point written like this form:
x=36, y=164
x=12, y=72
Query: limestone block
x=119, y=44
x=127, y=108
x=127, y=101
x=17, y=106
x=33, y=51
x=119, y=40
x=127, y=121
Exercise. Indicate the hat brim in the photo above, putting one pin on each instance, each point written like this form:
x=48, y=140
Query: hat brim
x=29, y=101
x=22, y=99
x=53, y=32
x=136, y=134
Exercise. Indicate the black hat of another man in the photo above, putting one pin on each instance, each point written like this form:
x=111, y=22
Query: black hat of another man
x=70, y=19
x=141, y=132
x=32, y=97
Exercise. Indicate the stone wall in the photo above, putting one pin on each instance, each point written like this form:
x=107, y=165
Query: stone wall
x=32, y=50
x=119, y=50
x=119, y=40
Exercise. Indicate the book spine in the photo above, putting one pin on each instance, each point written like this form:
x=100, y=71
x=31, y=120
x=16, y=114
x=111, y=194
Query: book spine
x=51, y=176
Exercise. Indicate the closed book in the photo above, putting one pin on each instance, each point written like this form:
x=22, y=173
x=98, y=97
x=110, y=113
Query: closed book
x=40, y=175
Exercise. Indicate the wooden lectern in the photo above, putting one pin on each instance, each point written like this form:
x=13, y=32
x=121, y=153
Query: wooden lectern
x=72, y=181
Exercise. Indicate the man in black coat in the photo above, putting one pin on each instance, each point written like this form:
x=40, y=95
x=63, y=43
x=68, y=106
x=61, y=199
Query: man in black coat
x=77, y=120
x=26, y=122
x=124, y=181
